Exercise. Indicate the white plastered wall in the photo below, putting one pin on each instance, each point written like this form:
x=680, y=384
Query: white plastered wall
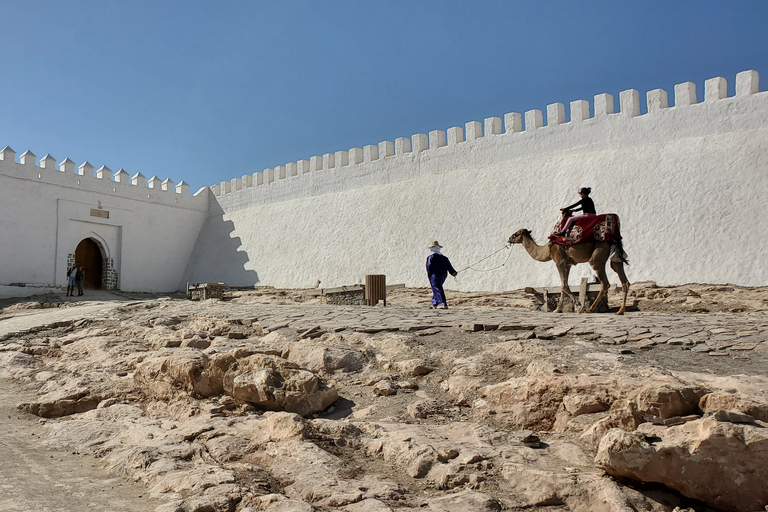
x=688, y=182
x=149, y=234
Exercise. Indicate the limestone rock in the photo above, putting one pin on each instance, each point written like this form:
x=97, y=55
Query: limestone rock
x=713, y=402
x=325, y=359
x=414, y=367
x=274, y=383
x=722, y=464
x=463, y=502
x=385, y=388
x=184, y=368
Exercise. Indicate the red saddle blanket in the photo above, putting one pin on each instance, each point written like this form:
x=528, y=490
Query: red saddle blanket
x=597, y=228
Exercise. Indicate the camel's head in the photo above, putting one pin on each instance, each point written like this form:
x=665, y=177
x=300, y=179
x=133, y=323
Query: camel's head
x=517, y=237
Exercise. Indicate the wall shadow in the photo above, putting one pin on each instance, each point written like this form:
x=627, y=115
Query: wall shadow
x=217, y=256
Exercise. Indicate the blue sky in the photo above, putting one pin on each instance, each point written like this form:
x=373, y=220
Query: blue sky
x=209, y=91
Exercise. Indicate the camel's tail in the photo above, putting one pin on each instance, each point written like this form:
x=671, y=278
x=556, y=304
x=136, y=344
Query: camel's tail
x=617, y=253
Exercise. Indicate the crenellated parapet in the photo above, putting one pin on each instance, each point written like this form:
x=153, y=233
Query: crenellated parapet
x=102, y=180
x=513, y=128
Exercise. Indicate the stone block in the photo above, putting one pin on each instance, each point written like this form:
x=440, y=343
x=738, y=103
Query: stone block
x=246, y=179
x=315, y=163
x=603, y=104
x=513, y=122
x=579, y=111
x=629, y=102
x=355, y=156
x=555, y=114
x=341, y=158
x=258, y=178
x=473, y=130
x=419, y=142
x=291, y=169
x=370, y=153
x=269, y=175
x=685, y=94
x=533, y=119
x=329, y=161
x=715, y=89
x=747, y=82
x=402, y=145
x=455, y=135
x=492, y=126
x=280, y=172
x=386, y=148
x=302, y=167
x=436, y=139
x=657, y=100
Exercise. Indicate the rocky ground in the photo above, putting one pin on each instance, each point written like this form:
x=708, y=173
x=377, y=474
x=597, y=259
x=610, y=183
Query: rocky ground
x=271, y=401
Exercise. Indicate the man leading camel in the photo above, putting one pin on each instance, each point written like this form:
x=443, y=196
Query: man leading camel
x=438, y=268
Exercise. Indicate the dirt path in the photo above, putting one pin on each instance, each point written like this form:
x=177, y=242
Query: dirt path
x=34, y=478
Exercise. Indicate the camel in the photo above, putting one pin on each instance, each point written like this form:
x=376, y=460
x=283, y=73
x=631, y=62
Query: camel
x=596, y=253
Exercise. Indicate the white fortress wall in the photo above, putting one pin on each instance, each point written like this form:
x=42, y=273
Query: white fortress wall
x=687, y=179
x=145, y=229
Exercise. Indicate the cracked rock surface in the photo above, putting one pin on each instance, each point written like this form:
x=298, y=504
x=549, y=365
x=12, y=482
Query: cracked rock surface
x=270, y=401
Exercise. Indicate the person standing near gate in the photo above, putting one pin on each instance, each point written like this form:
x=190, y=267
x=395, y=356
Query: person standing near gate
x=438, y=268
x=79, y=276
x=71, y=272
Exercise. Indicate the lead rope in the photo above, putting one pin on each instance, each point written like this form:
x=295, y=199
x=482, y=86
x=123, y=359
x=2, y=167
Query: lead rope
x=471, y=267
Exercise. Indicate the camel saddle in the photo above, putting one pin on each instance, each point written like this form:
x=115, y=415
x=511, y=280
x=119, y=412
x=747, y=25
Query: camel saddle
x=598, y=228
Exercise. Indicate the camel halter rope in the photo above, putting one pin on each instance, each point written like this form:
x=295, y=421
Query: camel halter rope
x=471, y=267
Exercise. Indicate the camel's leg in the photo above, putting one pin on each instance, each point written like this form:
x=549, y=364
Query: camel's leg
x=618, y=267
x=564, y=271
x=599, y=268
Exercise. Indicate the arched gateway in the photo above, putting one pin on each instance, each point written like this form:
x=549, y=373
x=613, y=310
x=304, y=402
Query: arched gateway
x=89, y=254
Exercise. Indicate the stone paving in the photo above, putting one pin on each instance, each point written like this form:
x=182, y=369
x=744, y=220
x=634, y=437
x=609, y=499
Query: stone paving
x=715, y=334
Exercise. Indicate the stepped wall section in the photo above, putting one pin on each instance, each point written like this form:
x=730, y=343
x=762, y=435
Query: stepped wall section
x=688, y=180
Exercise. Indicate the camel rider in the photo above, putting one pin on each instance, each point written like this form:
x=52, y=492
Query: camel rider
x=584, y=205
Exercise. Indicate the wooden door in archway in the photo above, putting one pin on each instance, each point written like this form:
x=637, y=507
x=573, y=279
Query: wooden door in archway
x=89, y=254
